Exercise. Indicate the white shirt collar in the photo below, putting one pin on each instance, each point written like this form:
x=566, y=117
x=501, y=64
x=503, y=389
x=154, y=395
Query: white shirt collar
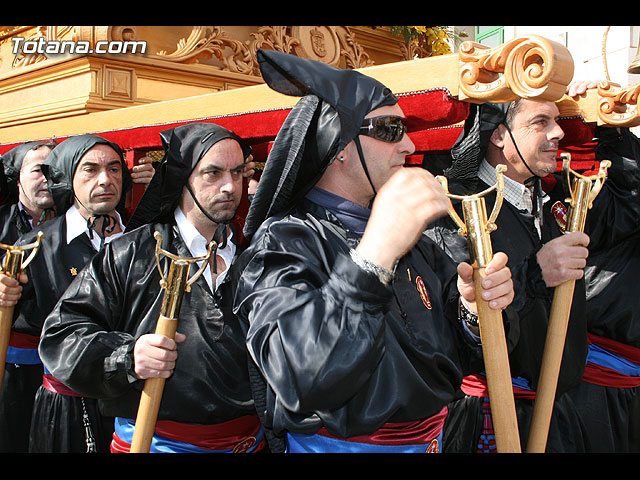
x=77, y=225
x=197, y=245
x=515, y=193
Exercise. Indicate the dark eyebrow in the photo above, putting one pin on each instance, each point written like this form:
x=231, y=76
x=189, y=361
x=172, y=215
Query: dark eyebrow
x=217, y=168
x=95, y=164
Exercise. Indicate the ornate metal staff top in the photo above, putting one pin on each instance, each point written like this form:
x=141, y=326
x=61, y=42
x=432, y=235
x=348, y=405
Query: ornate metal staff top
x=14, y=261
x=582, y=192
x=476, y=226
x=177, y=283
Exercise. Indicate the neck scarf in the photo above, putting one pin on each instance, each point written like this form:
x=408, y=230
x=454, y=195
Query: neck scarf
x=352, y=215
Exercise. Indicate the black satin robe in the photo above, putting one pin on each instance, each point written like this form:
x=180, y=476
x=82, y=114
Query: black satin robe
x=338, y=348
x=88, y=338
x=52, y=270
x=612, y=414
x=516, y=236
x=12, y=224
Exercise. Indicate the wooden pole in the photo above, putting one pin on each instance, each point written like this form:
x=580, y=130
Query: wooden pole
x=477, y=227
x=582, y=199
x=13, y=266
x=153, y=387
x=492, y=336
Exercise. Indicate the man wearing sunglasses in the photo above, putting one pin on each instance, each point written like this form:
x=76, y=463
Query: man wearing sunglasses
x=354, y=315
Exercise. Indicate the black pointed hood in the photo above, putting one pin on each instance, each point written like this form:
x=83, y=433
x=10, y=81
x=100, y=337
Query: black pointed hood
x=470, y=148
x=329, y=115
x=184, y=147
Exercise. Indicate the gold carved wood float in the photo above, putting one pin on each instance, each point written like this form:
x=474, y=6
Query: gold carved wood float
x=608, y=104
x=530, y=66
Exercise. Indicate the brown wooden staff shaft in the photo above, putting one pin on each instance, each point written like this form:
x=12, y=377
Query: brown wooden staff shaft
x=153, y=387
x=556, y=333
x=13, y=265
x=492, y=336
x=499, y=383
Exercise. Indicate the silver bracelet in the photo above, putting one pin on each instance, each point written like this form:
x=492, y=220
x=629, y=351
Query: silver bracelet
x=383, y=274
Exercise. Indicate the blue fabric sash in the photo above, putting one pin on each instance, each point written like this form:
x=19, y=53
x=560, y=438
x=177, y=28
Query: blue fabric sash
x=23, y=356
x=600, y=356
x=124, y=428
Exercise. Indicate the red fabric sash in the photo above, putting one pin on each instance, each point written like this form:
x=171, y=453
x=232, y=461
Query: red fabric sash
x=476, y=386
x=238, y=434
x=118, y=445
x=22, y=340
x=220, y=436
x=404, y=433
x=599, y=375
x=625, y=351
x=54, y=385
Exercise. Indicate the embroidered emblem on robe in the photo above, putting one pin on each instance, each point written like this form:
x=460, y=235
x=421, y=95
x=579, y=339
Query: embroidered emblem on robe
x=73, y=271
x=245, y=445
x=560, y=213
x=422, y=290
x=433, y=447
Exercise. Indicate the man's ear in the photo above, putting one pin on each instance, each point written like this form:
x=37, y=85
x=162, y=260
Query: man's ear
x=497, y=137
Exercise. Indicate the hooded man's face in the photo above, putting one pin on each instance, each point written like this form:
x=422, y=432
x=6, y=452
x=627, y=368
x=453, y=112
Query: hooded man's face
x=33, y=190
x=216, y=181
x=537, y=136
x=97, y=182
x=383, y=159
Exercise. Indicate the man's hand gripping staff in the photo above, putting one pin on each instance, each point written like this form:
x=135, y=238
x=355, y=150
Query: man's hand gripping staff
x=175, y=285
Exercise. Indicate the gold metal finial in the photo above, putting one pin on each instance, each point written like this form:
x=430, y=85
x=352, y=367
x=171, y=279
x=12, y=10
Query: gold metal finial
x=476, y=226
x=14, y=261
x=182, y=261
x=582, y=191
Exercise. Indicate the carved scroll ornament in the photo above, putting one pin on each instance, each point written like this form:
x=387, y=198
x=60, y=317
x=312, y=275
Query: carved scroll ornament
x=618, y=107
x=529, y=66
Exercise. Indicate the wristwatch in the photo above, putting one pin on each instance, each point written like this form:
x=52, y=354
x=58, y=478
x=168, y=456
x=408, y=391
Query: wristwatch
x=468, y=316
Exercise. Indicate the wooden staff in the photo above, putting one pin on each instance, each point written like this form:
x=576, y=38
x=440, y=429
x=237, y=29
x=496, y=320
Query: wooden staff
x=477, y=229
x=175, y=285
x=583, y=192
x=13, y=265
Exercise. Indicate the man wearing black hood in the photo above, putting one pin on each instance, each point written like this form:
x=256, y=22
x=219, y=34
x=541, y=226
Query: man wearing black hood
x=27, y=204
x=100, y=340
x=27, y=201
x=353, y=314
x=524, y=135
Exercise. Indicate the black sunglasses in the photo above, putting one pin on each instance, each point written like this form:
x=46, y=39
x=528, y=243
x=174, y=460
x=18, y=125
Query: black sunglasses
x=388, y=128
